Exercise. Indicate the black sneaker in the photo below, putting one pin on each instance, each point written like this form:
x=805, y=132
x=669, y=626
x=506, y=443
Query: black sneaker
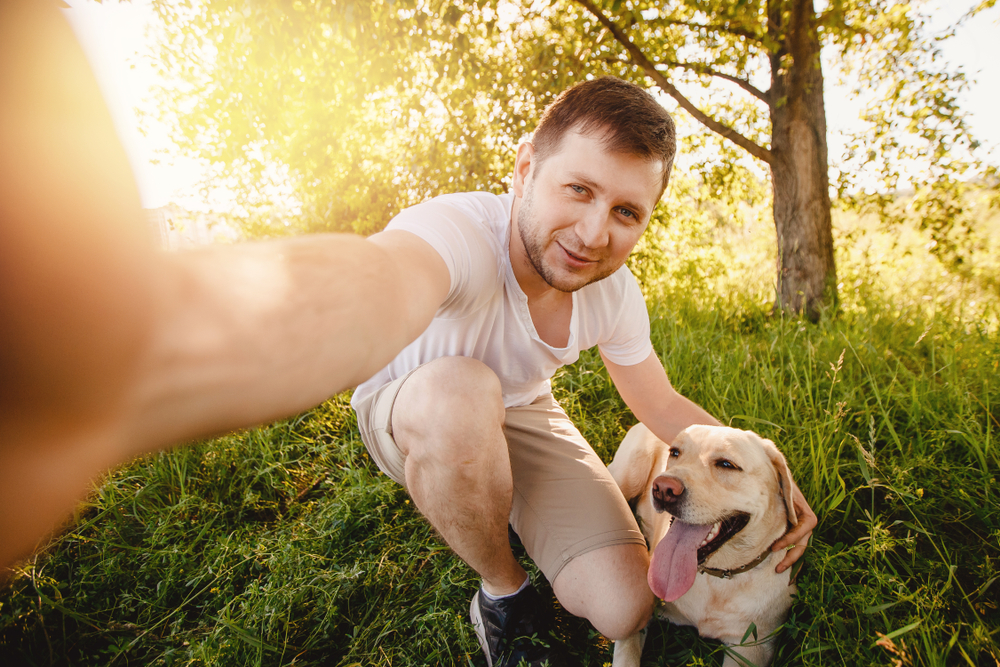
x=515, y=631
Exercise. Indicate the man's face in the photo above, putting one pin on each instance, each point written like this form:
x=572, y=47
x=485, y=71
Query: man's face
x=582, y=210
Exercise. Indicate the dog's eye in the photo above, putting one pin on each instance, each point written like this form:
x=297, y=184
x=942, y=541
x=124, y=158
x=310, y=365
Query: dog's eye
x=728, y=465
x=674, y=452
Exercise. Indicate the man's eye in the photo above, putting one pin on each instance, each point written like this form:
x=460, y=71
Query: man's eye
x=627, y=213
x=578, y=188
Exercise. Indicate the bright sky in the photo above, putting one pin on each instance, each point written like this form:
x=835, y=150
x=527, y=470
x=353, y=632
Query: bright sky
x=115, y=37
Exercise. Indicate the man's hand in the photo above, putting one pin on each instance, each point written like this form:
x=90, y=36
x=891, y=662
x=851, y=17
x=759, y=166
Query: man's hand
x=798, y=537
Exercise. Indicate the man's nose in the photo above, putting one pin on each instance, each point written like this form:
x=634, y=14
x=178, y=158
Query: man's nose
x=594, y=229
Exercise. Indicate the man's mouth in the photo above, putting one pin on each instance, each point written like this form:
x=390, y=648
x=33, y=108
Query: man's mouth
x=576, y=258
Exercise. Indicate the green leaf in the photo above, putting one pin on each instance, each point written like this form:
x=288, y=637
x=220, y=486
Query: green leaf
x=751, y=630
x=903, y=630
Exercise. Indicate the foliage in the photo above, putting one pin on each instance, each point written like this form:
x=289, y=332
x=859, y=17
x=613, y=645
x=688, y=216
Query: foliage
x=335, y=115
x=284, y=545
x=362, y=107
x=916, y=137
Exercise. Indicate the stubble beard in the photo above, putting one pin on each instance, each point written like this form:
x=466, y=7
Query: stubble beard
x=535, y=250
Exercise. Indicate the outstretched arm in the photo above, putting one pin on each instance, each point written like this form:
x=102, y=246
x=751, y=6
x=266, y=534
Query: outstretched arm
x=110, y=348
x=250, y=333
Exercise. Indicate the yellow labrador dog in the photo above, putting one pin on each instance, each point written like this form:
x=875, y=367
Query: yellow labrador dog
x=710, y=505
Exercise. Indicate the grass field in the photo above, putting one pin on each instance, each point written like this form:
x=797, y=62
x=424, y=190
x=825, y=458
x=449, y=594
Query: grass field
x=283, y=545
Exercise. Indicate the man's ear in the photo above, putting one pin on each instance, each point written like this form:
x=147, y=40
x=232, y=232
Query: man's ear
x=523, y=167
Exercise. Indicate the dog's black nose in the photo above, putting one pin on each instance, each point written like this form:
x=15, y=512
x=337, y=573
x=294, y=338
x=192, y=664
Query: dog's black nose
x=666, y=492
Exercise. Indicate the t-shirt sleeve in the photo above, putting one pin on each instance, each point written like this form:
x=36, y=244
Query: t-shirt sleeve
x=467, y=247
x=629, y=342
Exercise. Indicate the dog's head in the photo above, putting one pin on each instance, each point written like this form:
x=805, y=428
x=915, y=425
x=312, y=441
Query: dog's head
x=715, y=495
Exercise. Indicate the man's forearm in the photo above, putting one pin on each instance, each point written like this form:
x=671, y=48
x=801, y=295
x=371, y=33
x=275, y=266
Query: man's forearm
x=253, y=333
x=677, y=414
x=648, y=393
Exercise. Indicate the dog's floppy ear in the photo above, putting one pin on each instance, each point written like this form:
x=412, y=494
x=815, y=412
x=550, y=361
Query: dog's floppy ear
x=784, y=477
x=634, y=461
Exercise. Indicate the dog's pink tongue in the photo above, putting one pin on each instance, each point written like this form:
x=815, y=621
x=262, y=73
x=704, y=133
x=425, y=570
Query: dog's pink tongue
x=675, y=560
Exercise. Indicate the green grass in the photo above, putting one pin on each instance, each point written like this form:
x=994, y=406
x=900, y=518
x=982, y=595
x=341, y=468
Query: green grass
x=284, y=545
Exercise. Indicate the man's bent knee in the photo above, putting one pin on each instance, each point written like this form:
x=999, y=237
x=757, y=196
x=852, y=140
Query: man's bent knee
x=608, y=587
x=450, y=396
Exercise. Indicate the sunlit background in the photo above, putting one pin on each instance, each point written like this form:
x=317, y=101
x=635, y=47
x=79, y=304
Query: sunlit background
x=118, y=38
x=185, y=198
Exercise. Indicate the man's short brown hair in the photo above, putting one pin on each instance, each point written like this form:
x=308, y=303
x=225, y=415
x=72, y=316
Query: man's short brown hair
x=630, y=119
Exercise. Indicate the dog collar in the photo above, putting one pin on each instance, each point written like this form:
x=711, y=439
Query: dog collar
x=728, y=574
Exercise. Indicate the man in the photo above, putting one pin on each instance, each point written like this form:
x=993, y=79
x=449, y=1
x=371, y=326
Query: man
x=109, y=349
x=464, y=417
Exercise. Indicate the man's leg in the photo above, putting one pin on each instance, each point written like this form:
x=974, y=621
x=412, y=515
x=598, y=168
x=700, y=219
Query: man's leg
x=439, y=432
x=447, y=421
x=575, y=523
x=608, y=587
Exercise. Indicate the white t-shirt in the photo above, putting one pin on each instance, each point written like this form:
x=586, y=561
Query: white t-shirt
x=485, y=315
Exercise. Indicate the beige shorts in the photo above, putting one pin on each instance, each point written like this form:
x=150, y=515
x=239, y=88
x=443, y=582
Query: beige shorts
x=565, y=501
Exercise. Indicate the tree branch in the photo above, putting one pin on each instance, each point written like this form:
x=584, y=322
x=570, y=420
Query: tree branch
x=640, y=59
x=719, y=27
x=700, y=68
x=705, y=69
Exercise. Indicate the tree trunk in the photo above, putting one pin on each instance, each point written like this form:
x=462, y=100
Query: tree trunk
x=807, y=276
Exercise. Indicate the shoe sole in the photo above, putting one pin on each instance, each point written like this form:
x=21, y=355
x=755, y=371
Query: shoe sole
x=477, y=624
